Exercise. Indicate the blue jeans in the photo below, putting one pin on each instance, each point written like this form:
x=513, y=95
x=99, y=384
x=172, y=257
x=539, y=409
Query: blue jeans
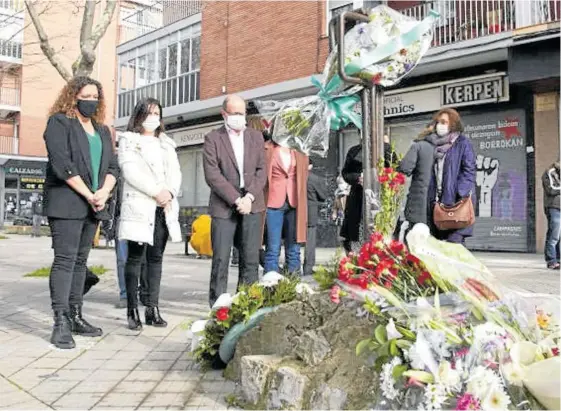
x=552, y=238
x=122, y=249
x=276, y=219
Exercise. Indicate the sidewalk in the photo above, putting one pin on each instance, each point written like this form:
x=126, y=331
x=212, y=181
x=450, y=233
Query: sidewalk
x=128, y=370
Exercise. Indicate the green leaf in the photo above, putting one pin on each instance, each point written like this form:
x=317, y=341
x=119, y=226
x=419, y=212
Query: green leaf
x=398, y=371
x=384, y=350
x=404, y=344
x=371, y=307
x=362, y=346
x=393, y=348
x=381, y=334
x=407, y=333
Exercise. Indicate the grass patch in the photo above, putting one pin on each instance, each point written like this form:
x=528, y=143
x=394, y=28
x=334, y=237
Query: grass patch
x=3, y=237
x=46, y=271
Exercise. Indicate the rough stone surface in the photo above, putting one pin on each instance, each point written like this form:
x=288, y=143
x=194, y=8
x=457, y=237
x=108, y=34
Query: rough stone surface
x=255, y=371
x=314, y=321
x=312, y=347
x=287, y=389
x=327, y=398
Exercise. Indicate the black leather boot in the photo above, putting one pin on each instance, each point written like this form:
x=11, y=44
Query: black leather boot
x=62, y=331
x=133, y=319
x=152, y=315
x=81, y=326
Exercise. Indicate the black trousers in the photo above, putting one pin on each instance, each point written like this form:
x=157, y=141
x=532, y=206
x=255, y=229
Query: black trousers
x=243, y=231
x=72, y=242
x=310, y=254
x=154, y=257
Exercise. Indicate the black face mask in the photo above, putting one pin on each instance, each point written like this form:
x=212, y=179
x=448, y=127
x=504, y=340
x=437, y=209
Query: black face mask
x=87, y=108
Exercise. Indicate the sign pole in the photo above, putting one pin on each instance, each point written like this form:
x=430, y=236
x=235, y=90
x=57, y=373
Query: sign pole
x=372, y=100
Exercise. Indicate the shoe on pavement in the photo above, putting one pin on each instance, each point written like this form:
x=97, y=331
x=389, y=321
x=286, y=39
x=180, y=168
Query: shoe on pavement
x=62, y=331
x=81, y=326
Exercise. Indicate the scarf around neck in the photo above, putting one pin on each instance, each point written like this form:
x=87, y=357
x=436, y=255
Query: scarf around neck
x=443, y=144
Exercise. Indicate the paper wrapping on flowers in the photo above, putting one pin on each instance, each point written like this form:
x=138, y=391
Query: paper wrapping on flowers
x=382, y=52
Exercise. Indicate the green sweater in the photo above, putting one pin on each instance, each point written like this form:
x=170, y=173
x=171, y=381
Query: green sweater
x=96, y=147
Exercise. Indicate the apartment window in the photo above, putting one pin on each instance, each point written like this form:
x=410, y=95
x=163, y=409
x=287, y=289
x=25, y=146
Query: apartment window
x=166, y=69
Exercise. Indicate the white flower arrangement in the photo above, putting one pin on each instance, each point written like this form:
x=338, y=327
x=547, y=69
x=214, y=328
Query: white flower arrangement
x=387, y=382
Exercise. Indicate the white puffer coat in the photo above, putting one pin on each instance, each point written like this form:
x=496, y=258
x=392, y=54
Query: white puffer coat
x=138, y=207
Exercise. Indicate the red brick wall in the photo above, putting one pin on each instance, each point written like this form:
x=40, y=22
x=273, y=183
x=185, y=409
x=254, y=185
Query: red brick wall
x=247, y=44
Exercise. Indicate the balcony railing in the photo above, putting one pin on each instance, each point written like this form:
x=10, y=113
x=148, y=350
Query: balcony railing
x=9, y=96
x=10, y=49
x=8, y=145
x=171, y=92
x=468, y=19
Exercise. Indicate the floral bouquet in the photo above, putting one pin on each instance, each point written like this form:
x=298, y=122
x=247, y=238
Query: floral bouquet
x=214, y=340
x=382, y=52
x=449, y=336
x=392, y=192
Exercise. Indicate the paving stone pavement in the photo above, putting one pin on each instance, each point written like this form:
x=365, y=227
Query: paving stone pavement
x=131, y=370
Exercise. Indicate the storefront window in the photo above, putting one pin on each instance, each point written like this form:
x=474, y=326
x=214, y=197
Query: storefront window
x=194, y=190
x=11, y=182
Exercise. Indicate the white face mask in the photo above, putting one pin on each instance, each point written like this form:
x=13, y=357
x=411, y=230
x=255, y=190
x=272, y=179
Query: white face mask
x=235, y=121
x=442, y=129
x=151, y=123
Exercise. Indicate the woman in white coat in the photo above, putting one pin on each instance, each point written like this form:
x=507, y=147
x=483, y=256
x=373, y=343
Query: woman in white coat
x=149, y=208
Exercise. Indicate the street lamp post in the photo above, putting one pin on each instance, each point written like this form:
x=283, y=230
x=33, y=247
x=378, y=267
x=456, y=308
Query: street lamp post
x=372, y=132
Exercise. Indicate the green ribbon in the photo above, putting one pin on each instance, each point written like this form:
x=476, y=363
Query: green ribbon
x=342, y=107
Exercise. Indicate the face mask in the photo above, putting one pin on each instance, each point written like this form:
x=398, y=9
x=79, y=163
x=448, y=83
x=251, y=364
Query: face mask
x=442, y=129
x=87, y=108
x=151, y=123
x=235, y=121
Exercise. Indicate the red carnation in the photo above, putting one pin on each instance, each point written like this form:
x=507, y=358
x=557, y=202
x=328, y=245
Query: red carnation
x=377, y=78
x=397, y=247
x=222, y=314
x=383, y=179
x=424, y=277
x=412, y=259
x=388, y=170
x=555, y=351
x=399, y=179
x=335, y=294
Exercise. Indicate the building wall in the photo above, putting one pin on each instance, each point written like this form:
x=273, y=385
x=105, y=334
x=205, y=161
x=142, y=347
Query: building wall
x=546, y=137
x=41, y=82
x=247, y=44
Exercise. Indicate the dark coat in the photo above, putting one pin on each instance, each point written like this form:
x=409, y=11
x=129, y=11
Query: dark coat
x=458, y=181
x=317, y=194
x=550, y=183
x=351, y=172
x=418, y=163
x=222, y=174
x=69, y=156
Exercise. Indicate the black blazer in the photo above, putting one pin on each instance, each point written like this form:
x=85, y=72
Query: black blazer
x=317, y=194
x=69, y=155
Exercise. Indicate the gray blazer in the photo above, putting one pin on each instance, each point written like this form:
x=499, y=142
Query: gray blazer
x=418, y=163
x=222, y=174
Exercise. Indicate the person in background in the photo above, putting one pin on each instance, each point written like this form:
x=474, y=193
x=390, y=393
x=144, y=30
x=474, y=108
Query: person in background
x=341, y=194
x=287, y=206
x=418, y=163
x=149, y=213
x=317, y=194
x=551, y=183
x=453, y=177
x=234, y=167
x=77, y=187
x=37, y=211
x=351, y=230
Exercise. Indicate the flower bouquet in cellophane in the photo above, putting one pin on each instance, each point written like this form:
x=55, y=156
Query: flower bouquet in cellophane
x=450, y=336
x=382, y=52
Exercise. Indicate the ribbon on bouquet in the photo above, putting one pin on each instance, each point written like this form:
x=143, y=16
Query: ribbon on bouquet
x=341, y=107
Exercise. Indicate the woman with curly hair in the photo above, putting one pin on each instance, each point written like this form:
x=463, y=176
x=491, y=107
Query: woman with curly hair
x=81, y=172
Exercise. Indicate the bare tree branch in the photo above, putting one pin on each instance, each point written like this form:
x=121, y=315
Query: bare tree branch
x=46, y=47
x=90, y=37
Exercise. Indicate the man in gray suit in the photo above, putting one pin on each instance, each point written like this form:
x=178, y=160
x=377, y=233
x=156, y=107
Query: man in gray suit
x=234, y=166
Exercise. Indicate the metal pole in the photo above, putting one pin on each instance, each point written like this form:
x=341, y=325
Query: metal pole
x=372, y=100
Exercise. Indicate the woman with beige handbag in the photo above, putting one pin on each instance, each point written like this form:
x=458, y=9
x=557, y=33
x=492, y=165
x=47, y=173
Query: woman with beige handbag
x=451, y=192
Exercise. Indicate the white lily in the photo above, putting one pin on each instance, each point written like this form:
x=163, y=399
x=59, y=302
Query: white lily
x=225, y=300
x=392, y=332
x=524, y=352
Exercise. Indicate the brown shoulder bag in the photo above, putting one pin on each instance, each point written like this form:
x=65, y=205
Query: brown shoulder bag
x=458, y=216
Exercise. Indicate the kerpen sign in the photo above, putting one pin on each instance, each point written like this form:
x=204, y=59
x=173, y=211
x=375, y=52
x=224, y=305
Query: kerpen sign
x=489, y=90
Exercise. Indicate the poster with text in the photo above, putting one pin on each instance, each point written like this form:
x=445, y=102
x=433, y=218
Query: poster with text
x=499, y=141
